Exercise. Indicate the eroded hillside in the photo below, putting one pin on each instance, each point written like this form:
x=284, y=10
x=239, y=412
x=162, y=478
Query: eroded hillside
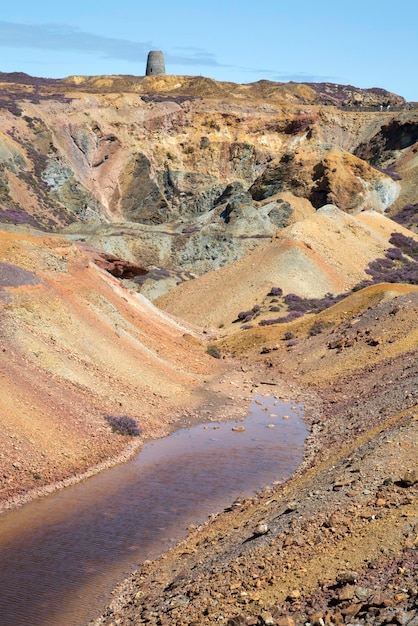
x=78, y=348
x=198, y=172
x=214, y=198
x=327, y=252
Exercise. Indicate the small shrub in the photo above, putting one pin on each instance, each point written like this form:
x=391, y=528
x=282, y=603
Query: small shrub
x=213, y=351
x=316, y=329
x=282, y=320
x=275, y=291
x=123, y=424
x=288, y=335
x=394, y=253
x=212, y=124
x=362, y=285
x=269, y=322
x=408, y=245
x=245, y=315
x=296, y=303
x=407, y=215
x=293, y=315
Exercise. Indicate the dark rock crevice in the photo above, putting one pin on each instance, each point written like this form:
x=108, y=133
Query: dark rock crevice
x=393, y=137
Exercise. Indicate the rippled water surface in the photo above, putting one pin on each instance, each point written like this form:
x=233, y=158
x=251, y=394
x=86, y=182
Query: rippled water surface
x=61, y=556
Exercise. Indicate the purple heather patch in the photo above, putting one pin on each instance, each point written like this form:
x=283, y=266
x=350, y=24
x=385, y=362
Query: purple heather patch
x=13, y=276
x=123, y=424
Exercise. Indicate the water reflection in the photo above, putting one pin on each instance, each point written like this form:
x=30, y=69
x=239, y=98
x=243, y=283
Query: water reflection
x=61, y=556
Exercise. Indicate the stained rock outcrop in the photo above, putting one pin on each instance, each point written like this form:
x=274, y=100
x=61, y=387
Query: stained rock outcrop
x=121, y=268
x=198, y=172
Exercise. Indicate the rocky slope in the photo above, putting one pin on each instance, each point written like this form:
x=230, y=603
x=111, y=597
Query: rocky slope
x=336, y=544
x=327, y=252
x=79, y=351
x=198, y=172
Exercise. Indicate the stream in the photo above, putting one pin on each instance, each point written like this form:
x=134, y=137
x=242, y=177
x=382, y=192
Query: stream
x=61, y=556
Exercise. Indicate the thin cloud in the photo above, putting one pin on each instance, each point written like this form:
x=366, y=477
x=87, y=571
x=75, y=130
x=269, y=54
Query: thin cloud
x=299, y=77
x=188, y=55
x=305, y=78
x=197, y=58
x=60, y=37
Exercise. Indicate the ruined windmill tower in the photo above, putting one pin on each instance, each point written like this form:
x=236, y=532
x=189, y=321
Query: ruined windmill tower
x=155, y=63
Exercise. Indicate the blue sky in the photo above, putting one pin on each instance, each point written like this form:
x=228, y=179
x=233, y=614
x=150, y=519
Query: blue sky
x=363, y=43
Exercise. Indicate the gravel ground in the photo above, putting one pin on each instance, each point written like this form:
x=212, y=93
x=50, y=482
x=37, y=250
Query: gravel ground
x=337, y=543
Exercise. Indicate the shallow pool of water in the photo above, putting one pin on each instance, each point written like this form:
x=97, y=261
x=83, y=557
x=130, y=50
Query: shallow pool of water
x=61, y=556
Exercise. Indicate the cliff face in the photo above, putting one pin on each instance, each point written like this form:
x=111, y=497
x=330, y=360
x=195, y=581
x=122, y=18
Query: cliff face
x=206, y=168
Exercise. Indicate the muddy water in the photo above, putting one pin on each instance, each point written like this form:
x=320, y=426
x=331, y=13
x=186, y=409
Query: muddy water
x=61, y=556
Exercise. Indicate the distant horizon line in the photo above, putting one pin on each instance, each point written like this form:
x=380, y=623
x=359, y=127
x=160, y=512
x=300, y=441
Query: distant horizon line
x=167, y=74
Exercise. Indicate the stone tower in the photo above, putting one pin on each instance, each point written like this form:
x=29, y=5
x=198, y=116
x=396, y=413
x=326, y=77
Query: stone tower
x=155, y=63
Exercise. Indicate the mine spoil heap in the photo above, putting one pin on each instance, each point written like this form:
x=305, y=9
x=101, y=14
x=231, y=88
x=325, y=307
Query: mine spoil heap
x=111, y=185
